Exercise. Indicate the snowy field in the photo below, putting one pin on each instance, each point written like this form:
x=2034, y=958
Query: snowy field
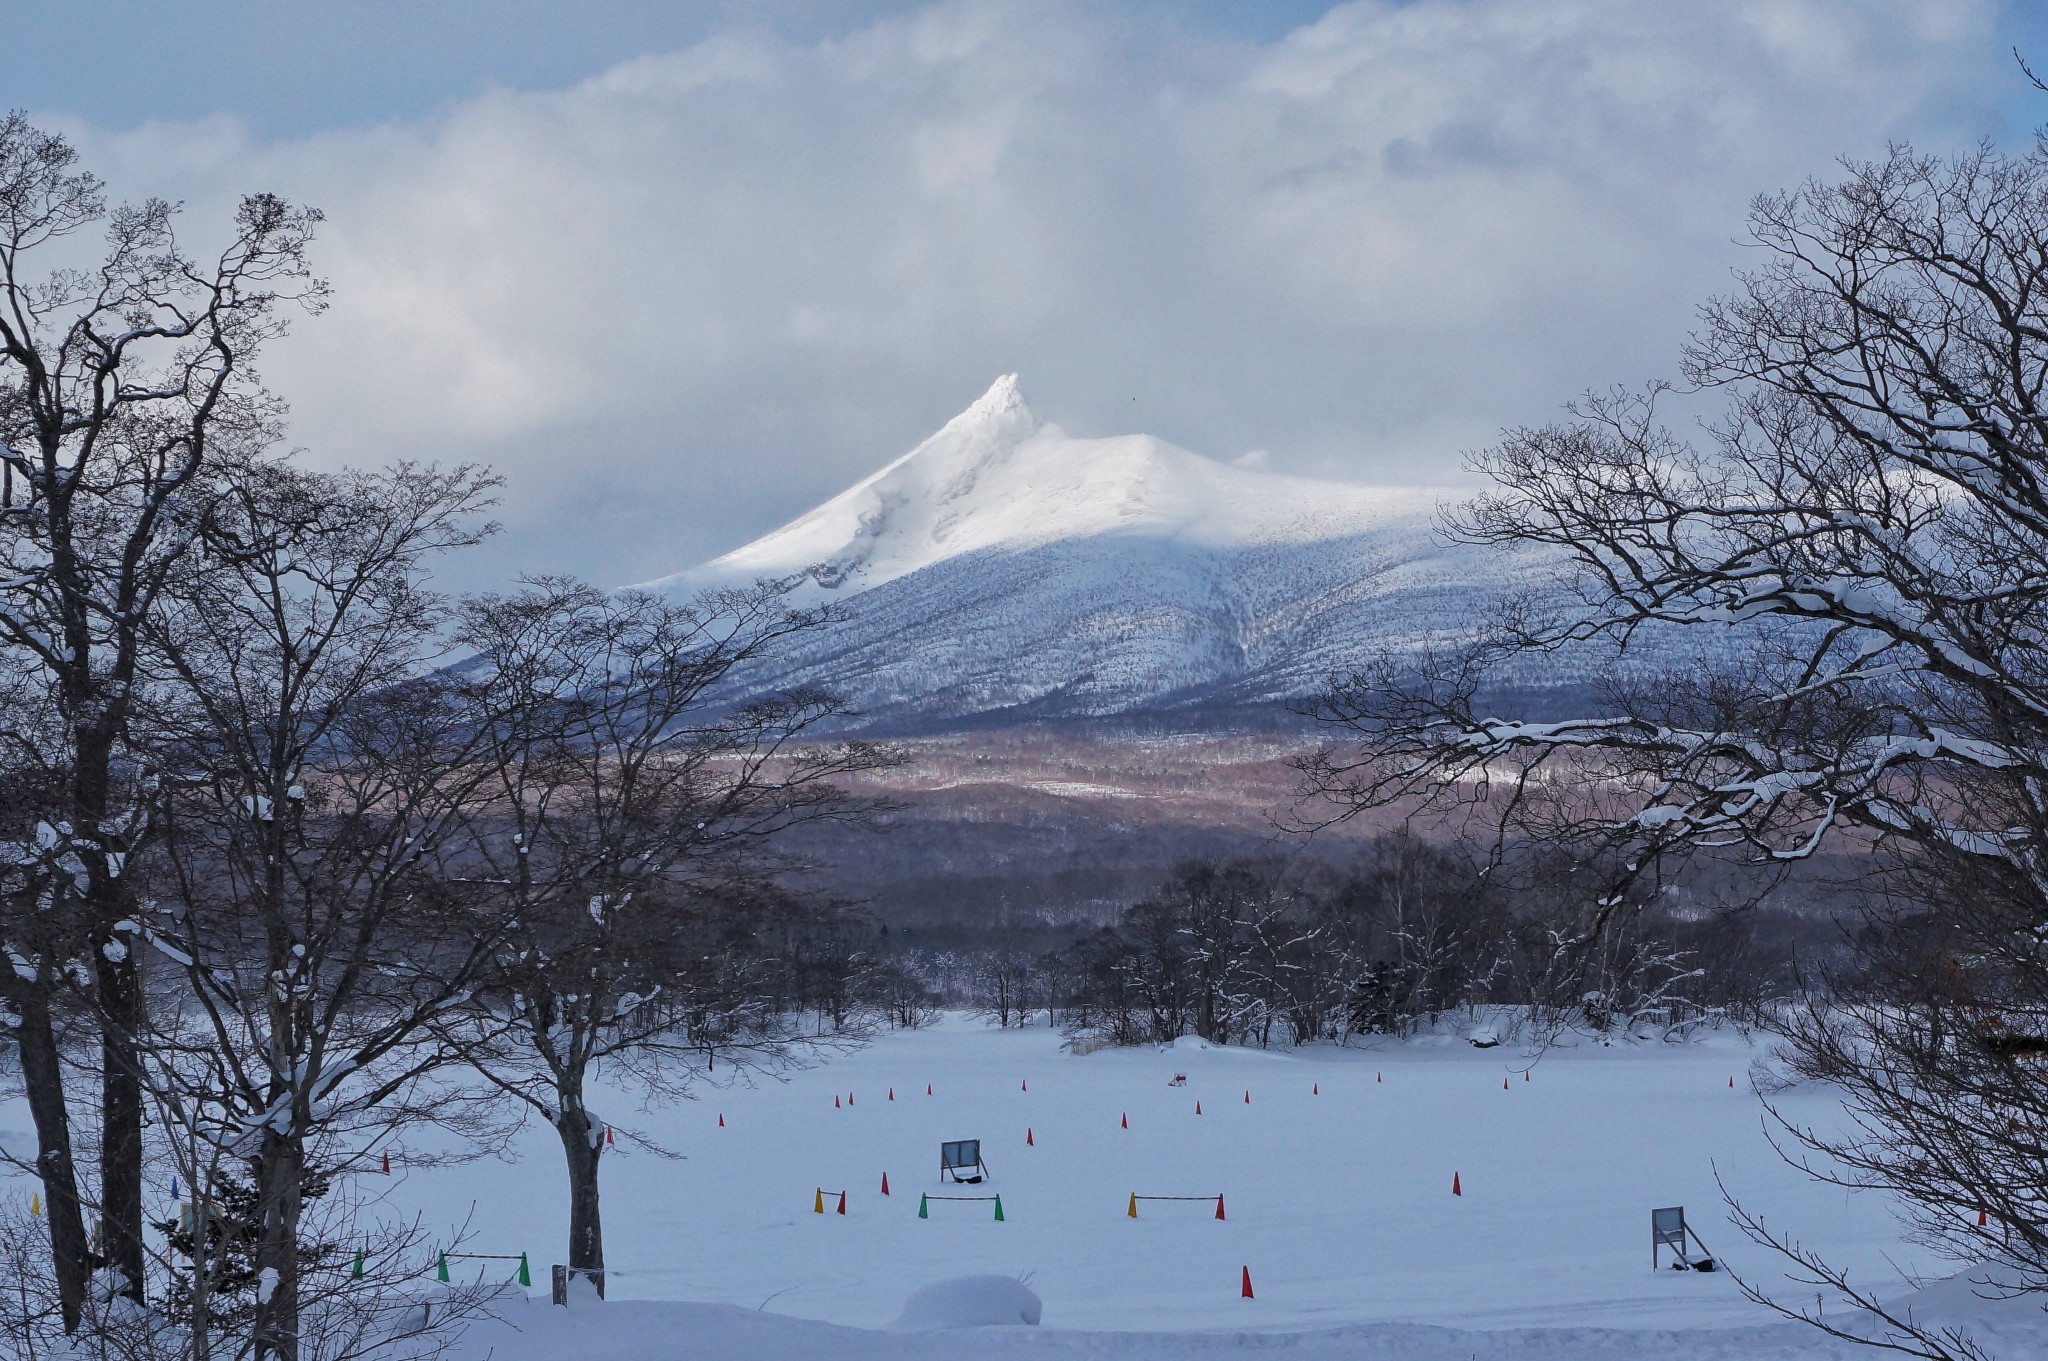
x=1337, y=1179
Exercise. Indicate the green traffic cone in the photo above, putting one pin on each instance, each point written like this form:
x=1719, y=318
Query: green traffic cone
x=441, y=1270
x=355, y=1273
x=924, y=1206
x=525, y=1276
x=999, y=1209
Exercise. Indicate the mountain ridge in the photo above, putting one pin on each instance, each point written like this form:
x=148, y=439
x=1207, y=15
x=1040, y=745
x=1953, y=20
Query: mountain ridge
x=1004, y=567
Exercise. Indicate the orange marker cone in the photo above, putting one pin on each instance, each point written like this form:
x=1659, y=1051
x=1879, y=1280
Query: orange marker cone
x=1127, y=1120
x=1198, y=1108
x=885, y=1183
x=1245, y=1291
x=1456, y=1189
x=842, y=1202
x=1219, y=1207
x=1029, y=1142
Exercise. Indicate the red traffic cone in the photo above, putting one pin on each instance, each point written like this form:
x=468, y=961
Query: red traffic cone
x=1247, y=1098
x=1127, y=1120
x=1244, y=1292
x=721, y=1119
x=1198, y=1108
x=1028, y=1140
x=885, y=1183
x=835, y=1101
x=387, y=1162
x=842, y=1202
x=1219, y=1207
x=1456, y=1189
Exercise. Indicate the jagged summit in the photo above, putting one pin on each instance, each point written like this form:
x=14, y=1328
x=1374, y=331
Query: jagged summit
x=997, y=478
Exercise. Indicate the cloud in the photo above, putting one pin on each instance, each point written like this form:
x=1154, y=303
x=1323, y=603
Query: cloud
x=681, y=302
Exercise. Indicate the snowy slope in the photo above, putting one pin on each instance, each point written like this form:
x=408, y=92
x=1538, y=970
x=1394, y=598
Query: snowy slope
x=998, y=479
x=1004, y=565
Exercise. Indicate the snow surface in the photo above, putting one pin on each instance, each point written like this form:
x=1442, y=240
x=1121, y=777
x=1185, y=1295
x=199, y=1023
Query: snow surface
x=1338, y=1200
x=969, y=1302
x=642, y=1331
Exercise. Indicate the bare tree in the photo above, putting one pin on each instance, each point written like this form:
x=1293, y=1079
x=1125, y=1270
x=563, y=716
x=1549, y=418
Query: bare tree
x=319, y=776
x=1861, y=544
x=1004, y=980
x=632, y=832
x=124, y=386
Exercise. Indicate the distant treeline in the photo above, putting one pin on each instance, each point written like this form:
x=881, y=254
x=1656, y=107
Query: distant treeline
x=1272, y=952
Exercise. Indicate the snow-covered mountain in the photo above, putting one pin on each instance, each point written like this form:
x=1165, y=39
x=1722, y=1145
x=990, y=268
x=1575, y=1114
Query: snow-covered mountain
x=1004, y=566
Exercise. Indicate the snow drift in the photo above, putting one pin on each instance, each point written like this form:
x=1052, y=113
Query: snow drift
x=969, y=1302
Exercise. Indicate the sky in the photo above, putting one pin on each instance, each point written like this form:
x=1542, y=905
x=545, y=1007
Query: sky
x=681, y=270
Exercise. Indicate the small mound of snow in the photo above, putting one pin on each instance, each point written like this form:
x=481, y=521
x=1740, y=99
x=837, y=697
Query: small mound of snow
x=969, y=1302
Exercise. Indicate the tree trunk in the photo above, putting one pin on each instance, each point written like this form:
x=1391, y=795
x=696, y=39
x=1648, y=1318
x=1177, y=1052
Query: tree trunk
x=582, y=1146
x=42, y=1074
x=280, y=1172
x=118, y=995
x=120, y=1001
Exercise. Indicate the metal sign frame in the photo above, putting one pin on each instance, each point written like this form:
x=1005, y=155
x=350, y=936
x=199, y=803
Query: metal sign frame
x=958, y=1156
x=1667, y=1230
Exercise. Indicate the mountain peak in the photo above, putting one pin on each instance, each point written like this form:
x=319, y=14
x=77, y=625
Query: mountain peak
x=1001, y=407
x=947, y=466
x=997, y=479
